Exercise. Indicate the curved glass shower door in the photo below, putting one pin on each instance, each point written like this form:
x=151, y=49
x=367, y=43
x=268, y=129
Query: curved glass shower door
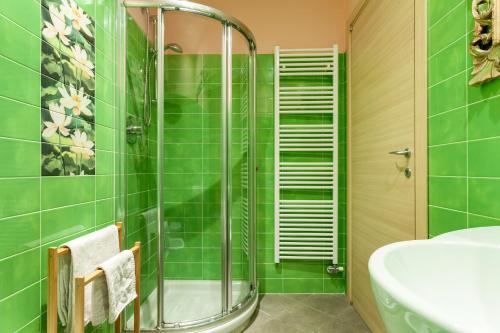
x=193, y=169
x=240, y=169
x=190, y=82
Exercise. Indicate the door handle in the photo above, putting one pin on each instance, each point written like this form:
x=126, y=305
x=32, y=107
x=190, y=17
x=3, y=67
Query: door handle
x=405, y=152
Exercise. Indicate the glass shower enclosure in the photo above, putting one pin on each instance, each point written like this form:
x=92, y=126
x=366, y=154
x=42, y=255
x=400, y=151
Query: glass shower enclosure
x=186, y=167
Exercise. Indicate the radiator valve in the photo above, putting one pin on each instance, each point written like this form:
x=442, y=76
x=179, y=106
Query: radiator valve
x=334, y=269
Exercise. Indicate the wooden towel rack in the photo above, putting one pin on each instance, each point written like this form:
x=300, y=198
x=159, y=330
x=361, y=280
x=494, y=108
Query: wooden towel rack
x=81, y=282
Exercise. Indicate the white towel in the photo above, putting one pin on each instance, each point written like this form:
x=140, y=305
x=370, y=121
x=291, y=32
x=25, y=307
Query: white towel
x=87, y=252
x=118, y=289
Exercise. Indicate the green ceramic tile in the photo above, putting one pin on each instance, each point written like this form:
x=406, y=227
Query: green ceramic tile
x=268, y=271
x=482, y=221
x=447, y=95
x=265, y=60
x=28, y=300
x=64, y=191
x=104, y=89
x=447, y=63
x=103, y=65
x=187, y=61
x=300, y=286
x=105, y=14
x=21, y=233
x=212, y=75
x=239, y=60
x=105, y=212
x=212, y=90
x=482, y=92
x=469, y=58
x=104, y=162
x=190, y=254
x=15, y=113
x=211, y=61
x=448, y=127
x=104, y=42
x=105, y=138
x=484, y=120
x=270, y=286
x=20, y=271
x=444, y=220
x=481, y=123
x=448, y=192
x=34, y=326
x=448, y=30
x=20, y=45
x=334, y=286
x=183, y=150
x=437, y=10
x=483, y=158
x=104, y=187
x=482, y=197
x=15, y=76
x=24, y=158
x=190, y=75
x=211, y=271
x=183, y=270
x=302, y=269
x=63, y=222
x=26, y=200
x=27, y=15
x=448, y=160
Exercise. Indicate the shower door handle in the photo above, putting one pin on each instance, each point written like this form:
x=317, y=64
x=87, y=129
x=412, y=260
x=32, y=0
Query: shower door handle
x=405, y=152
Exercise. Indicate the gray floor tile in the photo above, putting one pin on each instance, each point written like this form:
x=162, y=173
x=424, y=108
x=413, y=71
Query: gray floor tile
x=306, y=313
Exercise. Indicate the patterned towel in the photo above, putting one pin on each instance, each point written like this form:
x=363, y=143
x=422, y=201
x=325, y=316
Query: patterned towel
x=117, y=288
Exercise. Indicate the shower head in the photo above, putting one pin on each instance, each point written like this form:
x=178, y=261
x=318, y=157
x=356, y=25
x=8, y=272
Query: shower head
x=174, y=47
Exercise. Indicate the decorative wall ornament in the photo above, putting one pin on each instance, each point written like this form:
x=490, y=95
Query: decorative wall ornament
x=485, y=44
x=67, y=90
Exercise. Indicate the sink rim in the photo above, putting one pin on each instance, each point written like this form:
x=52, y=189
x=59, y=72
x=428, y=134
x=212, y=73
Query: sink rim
x=406, y=296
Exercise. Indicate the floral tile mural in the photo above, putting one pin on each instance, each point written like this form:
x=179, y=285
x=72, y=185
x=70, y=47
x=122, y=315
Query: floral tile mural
x=67, y=90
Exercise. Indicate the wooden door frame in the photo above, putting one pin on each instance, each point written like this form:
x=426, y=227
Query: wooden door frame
x=420, y=172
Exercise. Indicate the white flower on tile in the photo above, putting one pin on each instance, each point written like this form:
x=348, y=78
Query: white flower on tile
x=75, y=100
x=59, y=121
x=81, y=61
x=78, y=18
x=81, y=145
x=57, y=27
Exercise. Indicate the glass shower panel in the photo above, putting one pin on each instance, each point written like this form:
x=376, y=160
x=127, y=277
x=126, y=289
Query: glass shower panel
x=192, y=177
x=140, y=152
x=240, y=164
x=186, y=157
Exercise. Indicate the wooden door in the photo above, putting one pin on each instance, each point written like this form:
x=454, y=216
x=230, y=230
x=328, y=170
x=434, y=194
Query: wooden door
x=382, y=119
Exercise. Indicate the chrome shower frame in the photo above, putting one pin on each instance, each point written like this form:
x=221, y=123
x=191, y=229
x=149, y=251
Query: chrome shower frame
x=228, y=311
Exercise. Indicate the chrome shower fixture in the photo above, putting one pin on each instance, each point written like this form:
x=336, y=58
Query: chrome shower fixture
x=174, y=47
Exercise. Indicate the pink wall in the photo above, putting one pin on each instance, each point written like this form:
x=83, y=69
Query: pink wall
x=289, y=24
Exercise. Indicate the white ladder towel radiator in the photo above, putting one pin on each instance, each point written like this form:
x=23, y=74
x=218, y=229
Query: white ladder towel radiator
x=306, y=154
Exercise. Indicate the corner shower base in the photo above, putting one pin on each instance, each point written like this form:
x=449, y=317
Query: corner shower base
x=187, y=300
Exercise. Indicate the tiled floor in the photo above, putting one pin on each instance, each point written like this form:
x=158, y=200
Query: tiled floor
x=306, y=314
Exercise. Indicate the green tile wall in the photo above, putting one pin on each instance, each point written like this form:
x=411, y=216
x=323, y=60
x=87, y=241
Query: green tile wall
x=464, y=178
x=37, y=212
x=193, y=165
x=192, y=137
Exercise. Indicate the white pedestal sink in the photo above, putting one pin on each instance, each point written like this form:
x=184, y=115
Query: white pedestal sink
x=448, y=284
